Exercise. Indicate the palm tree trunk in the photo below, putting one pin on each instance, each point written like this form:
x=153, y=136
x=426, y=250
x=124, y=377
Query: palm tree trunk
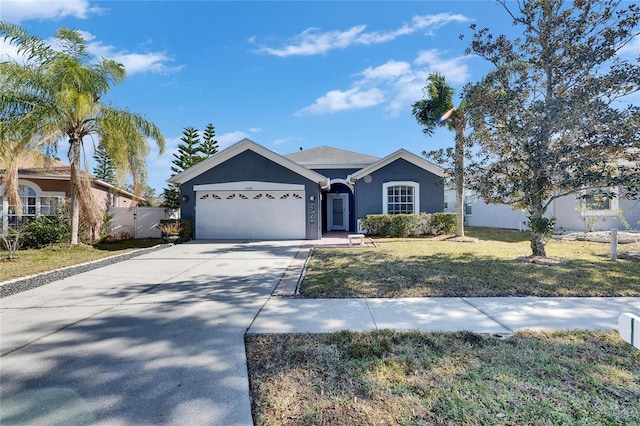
x=74, y=161
x=11, y=185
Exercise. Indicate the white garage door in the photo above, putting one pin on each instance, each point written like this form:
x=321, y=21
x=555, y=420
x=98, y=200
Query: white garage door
x=250, y=214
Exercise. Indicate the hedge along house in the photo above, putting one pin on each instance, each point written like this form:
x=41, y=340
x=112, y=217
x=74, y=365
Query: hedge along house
x=249, y=192
x=44, y=185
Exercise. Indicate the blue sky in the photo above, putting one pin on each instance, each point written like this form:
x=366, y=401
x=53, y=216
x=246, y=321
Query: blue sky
x=284, y=74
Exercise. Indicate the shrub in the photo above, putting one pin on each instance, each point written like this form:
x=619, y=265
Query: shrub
x=404, y=225
x=12, y=241
x=425, y=227
x=170, y=228
x=443, y=223
x=377, y=224
x=186, y=225
x=45, y=230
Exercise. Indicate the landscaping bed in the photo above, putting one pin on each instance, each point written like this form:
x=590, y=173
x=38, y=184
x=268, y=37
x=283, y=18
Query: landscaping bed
x=561, y=377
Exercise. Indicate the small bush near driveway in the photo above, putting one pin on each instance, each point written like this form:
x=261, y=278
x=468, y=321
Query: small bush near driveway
x=424, y=267
x=414, y=378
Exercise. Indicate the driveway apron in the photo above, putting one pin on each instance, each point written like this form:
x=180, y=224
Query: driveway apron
x=157, y=339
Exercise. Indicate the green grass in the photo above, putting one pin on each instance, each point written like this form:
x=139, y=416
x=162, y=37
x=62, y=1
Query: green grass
x=423, y=267
x=34, y=261
x=414, y=378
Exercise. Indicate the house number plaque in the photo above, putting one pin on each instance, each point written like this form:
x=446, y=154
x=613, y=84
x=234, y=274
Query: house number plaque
x=312, y=214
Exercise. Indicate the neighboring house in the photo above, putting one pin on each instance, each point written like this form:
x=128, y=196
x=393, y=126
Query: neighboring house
x=43, y=185
x=571, y=213
x=249, y=192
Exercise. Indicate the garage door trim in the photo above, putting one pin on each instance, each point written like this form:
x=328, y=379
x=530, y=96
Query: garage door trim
x=249, y=186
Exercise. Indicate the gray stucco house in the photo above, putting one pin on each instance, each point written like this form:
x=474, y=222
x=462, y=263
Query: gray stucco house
x=247, y=191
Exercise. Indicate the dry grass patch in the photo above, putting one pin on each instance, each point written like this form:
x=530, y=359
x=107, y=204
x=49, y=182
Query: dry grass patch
x=567, y=377
x=436, y=267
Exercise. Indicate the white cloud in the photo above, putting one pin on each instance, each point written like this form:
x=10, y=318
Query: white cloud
x=339, y=100
x=396, y=84
x=390, y=70
x=255, y=129
x=287, y=140
x=17, y=11
x=134, y=63
x=312, y=41
x=632, y=48
x=230, y=138
x=454, y=69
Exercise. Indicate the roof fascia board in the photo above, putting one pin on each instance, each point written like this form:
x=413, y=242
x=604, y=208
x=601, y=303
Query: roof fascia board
x=249, y=186
x=399, y=154
x=338, y=166
x=240, y=147
x=67, y=178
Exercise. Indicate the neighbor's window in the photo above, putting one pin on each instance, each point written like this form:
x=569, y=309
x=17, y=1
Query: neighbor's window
x=446, y=201
x=400, y=197
x=468, y=203
x=32, y=206
x=599, y=203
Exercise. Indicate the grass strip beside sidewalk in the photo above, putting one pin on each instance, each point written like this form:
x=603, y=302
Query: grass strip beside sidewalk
x=384, y=377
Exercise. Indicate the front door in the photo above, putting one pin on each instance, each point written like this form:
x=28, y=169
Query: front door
x=338, y=214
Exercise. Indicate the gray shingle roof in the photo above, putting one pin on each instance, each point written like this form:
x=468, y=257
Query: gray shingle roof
x=326, y=156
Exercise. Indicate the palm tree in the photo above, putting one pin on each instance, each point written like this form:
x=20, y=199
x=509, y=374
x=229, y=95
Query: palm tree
x=62, y=91
x=438, y=110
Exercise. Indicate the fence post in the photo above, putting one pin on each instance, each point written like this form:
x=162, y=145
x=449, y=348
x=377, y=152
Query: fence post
x=614, y=244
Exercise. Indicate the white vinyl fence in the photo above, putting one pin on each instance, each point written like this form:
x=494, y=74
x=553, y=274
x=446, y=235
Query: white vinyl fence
x=138, y=222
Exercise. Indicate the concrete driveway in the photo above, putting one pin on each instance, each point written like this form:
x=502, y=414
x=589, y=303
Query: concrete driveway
x=157, y=339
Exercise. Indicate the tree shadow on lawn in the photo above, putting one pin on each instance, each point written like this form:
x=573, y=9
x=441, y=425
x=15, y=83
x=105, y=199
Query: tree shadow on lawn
x=367, y=274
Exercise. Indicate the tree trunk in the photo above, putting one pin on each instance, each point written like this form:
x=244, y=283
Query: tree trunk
x=11, y=186
x=74, y=161
x=458, y=172
x=537, y=235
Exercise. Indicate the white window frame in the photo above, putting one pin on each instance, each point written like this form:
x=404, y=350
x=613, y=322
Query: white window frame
x=613, y=205
x=4, y=202
x=416, y=194
x=468, y=201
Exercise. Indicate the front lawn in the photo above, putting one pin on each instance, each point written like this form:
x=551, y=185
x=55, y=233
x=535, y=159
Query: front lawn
x=415, y=378
x=423, y=267
x=34, y=261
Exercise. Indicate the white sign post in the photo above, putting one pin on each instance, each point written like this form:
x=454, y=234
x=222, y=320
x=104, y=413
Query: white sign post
x=629, y=328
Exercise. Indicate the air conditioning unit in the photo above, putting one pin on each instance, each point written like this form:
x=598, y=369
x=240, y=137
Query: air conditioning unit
x=359, y=227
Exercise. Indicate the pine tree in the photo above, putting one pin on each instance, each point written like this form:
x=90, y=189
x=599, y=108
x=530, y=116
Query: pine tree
x=103, y=169
x=189, y=153
x=209, y=144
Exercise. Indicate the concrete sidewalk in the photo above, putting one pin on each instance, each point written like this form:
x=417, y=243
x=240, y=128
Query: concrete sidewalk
x=482, y=314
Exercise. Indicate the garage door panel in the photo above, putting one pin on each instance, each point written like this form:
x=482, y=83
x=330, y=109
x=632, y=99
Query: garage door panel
x=250, y=215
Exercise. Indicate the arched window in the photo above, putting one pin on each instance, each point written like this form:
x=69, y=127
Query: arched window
x=32, y=206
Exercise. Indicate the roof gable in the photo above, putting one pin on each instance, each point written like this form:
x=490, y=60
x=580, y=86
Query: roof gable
x=325, y=157
x=401, y=153
x=240, y=147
